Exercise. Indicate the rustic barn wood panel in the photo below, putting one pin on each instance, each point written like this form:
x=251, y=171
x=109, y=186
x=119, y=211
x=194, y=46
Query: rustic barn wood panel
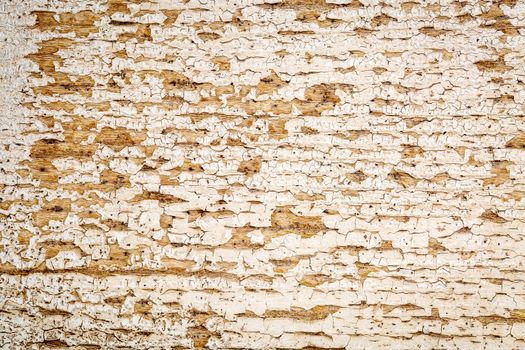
x=262, y=174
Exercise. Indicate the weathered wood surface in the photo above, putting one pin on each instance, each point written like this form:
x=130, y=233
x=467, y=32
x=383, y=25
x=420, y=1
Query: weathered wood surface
x=262, y=175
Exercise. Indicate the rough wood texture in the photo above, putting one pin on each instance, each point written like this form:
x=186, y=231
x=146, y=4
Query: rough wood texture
x=260, y=174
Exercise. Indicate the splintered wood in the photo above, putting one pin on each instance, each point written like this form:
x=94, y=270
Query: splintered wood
x=262, y=174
